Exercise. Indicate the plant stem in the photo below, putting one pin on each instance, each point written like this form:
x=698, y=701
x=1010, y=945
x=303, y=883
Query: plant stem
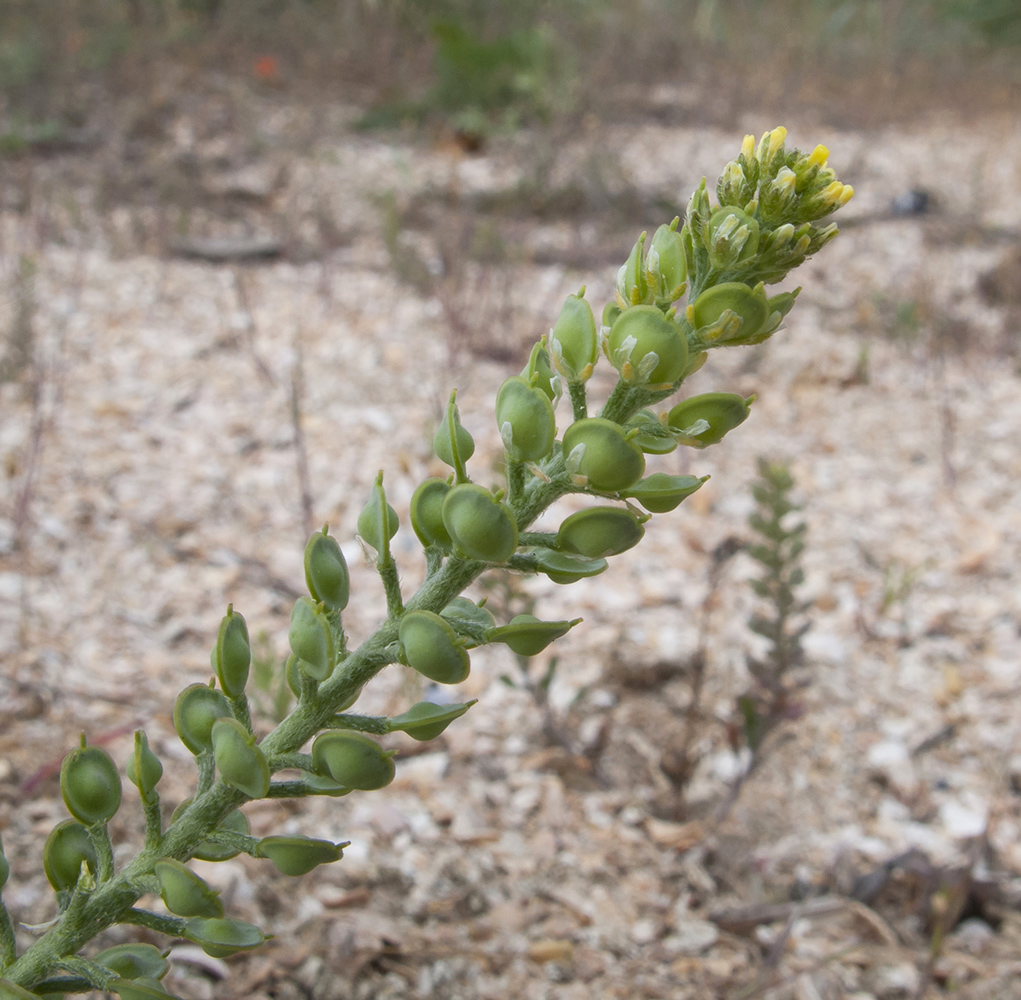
x=8, y=948
x=579, y=401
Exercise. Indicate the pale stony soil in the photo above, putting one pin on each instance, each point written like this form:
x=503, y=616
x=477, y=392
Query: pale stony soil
x=150, y=475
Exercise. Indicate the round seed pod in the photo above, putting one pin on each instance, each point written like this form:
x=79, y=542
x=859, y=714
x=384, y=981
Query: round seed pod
x=90, y=785
x=647, y=348
x=573, y=341
x=431, y=647
x=425, y=721
x=705, y=419
x=527, y=635
x=142, y=988
x=660, y=493
x=134, y=960
x=539, y=371
x=232, y=655
x=748, y=305
x=563, y=568
x=239, y=761
x=652, y=436
x=208, y=850
x=353, y=760
x=12, y=991
x=144, y=769
x=378, y=523
x=326, y=574
x=733, y=237
x=525, y=417
x=611, y=312
x=67, y=846
x=220, y=937
x=311, y=639
x=597, y=449
x=197, y=707
x=665, y=264
x=480, y=525
x=451, y=428
x=184, y=892
x=461, y=607
x=427, y=513
x=599, y=532
x=298, y=855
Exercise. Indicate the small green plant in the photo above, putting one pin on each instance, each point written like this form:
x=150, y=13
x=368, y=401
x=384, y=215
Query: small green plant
x=764, y=225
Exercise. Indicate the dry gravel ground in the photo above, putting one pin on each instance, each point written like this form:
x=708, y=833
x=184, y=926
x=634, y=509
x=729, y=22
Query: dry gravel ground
x=151, y=475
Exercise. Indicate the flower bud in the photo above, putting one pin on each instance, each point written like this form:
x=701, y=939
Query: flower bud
x=452, y=442
x=525, y=417
x=184, y=893
x=563, y=568
x=311, y=639
x=240, y=762
x=666, y=266
x=598, y=450
x=526, y=635
x=209, y=850
x=632, y=285
x=539, y=372
x=573, y=343
x=705, y=419
x=652, y=437
x=770, y=153
x=326, y=574
x=90, y=785
x=778, y=196
x=66, y=848
x=353, y=760
x=133, y=961
x=197, y=707
x=144, y=769
x=298, y=855
x=430, y=646
x=733, y=237
x=377, y=523
x=220, y=937
x=425, y=721
x=731, y=313
x=599, y=532
x=647, y=348
x=733, y=187
x=461, y=607
x=232, y=654
x=480, y=525
x=427, y=513
x=660, y=493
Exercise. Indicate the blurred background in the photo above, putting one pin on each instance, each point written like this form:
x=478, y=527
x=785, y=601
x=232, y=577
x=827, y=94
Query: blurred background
x=247, y=247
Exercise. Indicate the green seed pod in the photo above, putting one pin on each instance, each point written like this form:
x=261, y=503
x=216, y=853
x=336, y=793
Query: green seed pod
x=239, y=761
x=611, y=313
x=597, y=449
x=143, y=988
x=377, y=523
x=573, y=341
x=731, y=313
x=12, y=991
x=198, y=706
x=782, y=303
x=298, y=855
x=427, y=513
x=525, y=417
x=480, y=526
x=539, y=372
x=90, y=784
x=647, y=348
x=184, y=892
x=452, y=442
x=326, y=574
x=563, y=568
x=665, y=265
x=599, y=532
x=461, y=607
x=705, y=419
x=232, y=655
x=144, y=769
x=311, y=639
x=527, y=635
x=431, y=647
x=67, y=846
x=316, y=784
x=353, y=760
x=220, y=937
x=208, y=850
x=660, y=493
x=425, y=721
x=733, y=237
x=652, y=437
x=632, y=285
x=134, y=960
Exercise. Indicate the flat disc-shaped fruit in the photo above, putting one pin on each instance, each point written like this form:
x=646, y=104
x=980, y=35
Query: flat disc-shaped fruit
x=431, y=647
x=598, y=449
x=480, y=525
x=599, y=532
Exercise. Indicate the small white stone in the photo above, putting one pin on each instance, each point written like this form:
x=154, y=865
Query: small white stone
x=692, y=937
